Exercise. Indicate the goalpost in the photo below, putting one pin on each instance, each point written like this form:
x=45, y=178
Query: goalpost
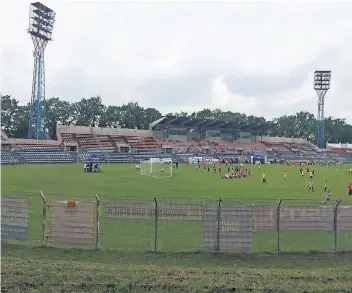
x=157, y=168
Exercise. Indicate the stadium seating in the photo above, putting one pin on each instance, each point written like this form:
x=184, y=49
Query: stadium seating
x=292, y=156
x=145, y=155
x=7, y=158
x=88, y=142
x=105, y=142
x=119, y=158
x=248, y=146
x=105, y=157
x=143, y=143
x=38, y=147
x=347, y=158
x=68, y=138
x=277, y=147
x=118, y=140
x=184, y=156
x=41, y=156
x=83, y=157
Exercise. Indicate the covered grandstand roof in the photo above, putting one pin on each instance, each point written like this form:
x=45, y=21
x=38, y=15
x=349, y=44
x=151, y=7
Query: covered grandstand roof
x=207, y=124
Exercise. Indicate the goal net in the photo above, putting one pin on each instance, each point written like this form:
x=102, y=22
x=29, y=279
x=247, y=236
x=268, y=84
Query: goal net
x=158, y=168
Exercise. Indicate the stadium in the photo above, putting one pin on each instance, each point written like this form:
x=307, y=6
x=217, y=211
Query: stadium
x=178, y=137
x=184, y=203
x=175, y=214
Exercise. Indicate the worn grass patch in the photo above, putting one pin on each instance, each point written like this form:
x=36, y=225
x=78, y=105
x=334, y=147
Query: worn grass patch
x=30, y=269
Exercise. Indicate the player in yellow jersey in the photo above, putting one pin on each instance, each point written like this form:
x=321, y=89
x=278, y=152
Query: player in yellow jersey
x=285, y=175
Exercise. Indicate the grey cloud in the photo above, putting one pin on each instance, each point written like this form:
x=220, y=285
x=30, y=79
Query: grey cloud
x=175, y=91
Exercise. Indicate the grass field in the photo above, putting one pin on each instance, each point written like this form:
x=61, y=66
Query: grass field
x=124, y=263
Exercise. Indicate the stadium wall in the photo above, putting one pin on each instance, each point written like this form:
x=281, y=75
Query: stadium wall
x=279, y=139
x=16, y=141
x=339, y=145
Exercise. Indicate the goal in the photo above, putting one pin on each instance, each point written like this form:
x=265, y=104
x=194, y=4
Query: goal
x=157, y=168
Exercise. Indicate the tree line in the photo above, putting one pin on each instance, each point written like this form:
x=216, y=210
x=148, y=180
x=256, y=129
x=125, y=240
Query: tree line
x=92, y=112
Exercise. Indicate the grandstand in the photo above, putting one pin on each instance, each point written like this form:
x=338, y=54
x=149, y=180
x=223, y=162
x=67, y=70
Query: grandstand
x=341, y=151
x=170, y=136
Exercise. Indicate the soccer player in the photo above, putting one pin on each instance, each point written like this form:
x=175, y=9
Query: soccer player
x=327, y=197
x=349, y=189
x=302, y=173
x=350, y=171
x=311, y=187
x=311, y=175
x=264, y=178
x=285, y=175
x=325, y=185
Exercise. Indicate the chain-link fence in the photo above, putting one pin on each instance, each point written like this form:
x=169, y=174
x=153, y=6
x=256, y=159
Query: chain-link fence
x=177, y=224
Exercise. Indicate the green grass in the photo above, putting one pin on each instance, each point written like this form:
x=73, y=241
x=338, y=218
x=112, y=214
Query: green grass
x=124, y=264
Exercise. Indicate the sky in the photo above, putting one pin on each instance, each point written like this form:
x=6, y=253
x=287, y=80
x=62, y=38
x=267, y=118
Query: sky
x=257, y=58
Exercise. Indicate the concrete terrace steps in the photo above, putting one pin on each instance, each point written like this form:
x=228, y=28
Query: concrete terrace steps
x=113, y=143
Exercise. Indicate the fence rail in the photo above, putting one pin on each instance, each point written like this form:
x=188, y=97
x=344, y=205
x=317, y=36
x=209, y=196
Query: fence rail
x=183, y=225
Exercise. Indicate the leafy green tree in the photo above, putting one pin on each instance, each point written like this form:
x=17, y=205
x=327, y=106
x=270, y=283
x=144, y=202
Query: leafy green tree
x=88, y=111
x=92, y=111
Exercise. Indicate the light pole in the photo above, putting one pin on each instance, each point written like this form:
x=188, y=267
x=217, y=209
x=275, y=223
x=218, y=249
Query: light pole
x=41, y=22
x=321, y=86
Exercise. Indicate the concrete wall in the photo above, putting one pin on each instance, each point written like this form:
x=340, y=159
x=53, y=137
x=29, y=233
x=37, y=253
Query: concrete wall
x=280, y=139
x=33, y=141
x=339, y=145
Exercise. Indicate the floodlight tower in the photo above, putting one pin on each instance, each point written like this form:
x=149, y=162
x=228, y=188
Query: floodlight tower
x=41, y=22
x=321, y=86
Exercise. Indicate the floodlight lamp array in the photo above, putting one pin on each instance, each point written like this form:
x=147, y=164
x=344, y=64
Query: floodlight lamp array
x=41, y=21
x=322, y=80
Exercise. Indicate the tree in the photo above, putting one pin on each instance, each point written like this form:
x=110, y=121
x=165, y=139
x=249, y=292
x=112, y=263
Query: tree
x=92, y=112
x=111, y=117
x=88, y=111
x=14, y=118
x=9, y=107
x=57, y=112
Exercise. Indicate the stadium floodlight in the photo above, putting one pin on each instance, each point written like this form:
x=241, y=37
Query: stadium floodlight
x=321, y=86
x=41, y=23
x=157, y=168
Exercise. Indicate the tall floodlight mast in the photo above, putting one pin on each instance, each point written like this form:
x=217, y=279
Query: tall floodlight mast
x=321, y=86
x=41, y=22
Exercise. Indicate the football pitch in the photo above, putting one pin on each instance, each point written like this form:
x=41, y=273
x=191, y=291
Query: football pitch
x=126, y=244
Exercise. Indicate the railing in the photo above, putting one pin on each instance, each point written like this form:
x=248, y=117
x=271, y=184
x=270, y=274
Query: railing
x=176, y=224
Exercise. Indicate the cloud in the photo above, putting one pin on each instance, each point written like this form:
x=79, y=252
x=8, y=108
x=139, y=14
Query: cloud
x=257, y=58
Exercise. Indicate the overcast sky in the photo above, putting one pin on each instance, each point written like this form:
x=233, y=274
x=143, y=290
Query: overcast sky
x=256, y=58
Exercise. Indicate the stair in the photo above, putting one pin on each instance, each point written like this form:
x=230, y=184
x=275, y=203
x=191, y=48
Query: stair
x=266, y=144
x=113, y=143
x=76, y=139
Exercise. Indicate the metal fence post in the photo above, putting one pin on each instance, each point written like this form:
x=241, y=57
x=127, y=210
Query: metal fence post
x=335, y=223
x=278, y=226
x=97, y=223
x=155, y=224
x=44, y=218
x=218, y=226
